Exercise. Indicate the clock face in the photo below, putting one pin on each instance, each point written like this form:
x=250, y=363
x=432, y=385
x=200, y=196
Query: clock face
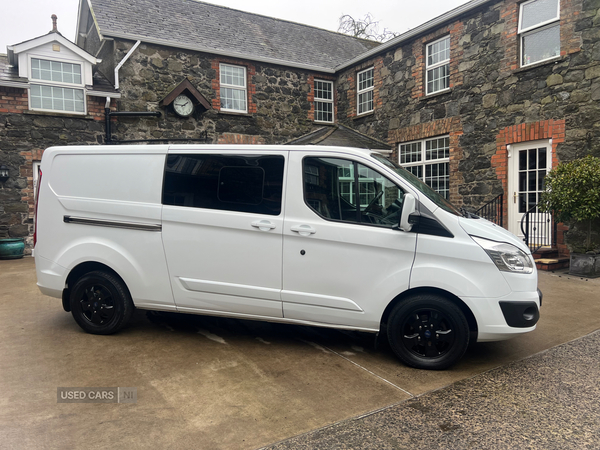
x=183, y=106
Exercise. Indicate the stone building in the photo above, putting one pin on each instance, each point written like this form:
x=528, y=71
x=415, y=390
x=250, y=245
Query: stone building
x=480, y=102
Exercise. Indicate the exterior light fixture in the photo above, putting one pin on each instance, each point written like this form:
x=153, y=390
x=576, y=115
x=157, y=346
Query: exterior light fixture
x=3, y=173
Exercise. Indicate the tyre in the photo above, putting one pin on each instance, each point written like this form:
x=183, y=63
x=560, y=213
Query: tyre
x=100, y=303
x=427, y=331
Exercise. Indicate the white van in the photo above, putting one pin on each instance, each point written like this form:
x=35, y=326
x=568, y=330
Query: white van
x=331, y=237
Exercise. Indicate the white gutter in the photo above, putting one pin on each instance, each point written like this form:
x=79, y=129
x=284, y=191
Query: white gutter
x=15, y=84
x=95, y=93
x=123, y=62
x=434, y=23
x=107, y=105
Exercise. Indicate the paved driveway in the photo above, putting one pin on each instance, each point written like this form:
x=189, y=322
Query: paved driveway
x=207, y=382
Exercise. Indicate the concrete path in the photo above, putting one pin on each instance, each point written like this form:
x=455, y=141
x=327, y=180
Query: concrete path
x=216, y=383
x=548, y=401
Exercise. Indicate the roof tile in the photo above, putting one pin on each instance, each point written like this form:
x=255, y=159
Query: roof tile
x=195, y=24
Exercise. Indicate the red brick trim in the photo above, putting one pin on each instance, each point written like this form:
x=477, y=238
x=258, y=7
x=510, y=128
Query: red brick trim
x=570, y=40
x=250, y=86
x=16, y=101
x=96, y=107
x=419, y=47
x=545, y=129
x=310, y=96
x=26, y=171
x=453, y=128
x=377, y=65
x=13, y=100
x=234, y=138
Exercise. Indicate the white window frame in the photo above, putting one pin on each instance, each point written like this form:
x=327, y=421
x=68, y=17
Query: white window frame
x=58, y=111
x=56, y=84
x=364, y=91
x=324, y=100
x=445, y=62
x=81, y=84
x=233, y=86
x=524, y=32
x=423, y=161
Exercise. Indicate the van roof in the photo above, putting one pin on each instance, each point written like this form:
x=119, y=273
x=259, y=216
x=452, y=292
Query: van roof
x=164, y=148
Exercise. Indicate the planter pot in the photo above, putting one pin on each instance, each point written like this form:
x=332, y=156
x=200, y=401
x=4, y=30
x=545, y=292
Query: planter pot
x=584, y=265
x=12, y=248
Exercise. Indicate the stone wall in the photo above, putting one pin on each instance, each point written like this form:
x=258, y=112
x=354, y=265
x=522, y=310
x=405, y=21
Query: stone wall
x=23, y=137
x=278, y=98
x=491, y=103
x=489, y=93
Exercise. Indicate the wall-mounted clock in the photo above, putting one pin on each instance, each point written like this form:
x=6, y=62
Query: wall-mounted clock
x=183, y=106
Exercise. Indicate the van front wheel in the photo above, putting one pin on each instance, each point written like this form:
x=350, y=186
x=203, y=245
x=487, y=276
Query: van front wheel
x=428, y=332
x=100, y=303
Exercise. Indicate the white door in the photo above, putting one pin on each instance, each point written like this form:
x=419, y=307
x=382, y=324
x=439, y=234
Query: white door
x=528, y=165
x=222, y=231
x=342, y=263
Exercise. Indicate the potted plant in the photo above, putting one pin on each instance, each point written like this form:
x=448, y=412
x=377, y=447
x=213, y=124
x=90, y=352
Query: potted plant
x=573, y=194
x=11, y=248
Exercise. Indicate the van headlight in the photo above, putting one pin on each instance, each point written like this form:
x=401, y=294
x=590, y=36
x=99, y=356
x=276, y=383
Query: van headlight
x=507, y=257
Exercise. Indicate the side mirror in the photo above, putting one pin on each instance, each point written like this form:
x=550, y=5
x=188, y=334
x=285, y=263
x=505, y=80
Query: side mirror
x=409, y=207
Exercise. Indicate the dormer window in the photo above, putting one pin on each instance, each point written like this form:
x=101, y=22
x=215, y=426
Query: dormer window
x=53, y=95
x=56, y=97
x=57, y=74
x=42, y=69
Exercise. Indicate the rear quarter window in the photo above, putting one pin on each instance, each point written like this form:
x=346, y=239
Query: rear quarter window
x=242, y=183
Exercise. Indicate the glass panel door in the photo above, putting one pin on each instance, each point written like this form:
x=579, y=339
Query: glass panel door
x=530, y=164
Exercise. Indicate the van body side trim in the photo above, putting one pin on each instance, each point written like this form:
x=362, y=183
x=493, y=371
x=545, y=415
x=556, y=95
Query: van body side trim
x=112, y=223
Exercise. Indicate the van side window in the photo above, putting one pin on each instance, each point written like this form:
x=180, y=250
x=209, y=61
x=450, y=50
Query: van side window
x=251, y=184
x=344, y=190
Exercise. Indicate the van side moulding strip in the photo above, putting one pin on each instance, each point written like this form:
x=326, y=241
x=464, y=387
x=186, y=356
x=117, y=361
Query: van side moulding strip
x=112, y=223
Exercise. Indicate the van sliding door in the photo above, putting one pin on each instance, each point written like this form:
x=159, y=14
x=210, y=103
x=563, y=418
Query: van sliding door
x=222, y=231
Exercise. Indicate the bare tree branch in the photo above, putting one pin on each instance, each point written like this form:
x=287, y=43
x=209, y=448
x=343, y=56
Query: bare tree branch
x=365, y=28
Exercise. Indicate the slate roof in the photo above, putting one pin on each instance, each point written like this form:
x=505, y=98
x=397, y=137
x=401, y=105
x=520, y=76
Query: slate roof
x=216, y=29
x=340, y=136
x=8, y=72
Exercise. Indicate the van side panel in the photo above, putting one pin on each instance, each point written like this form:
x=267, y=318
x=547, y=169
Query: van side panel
x=104, y=205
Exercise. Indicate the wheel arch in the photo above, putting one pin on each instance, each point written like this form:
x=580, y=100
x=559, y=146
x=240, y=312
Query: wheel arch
x=472, y=322
x=80, y=270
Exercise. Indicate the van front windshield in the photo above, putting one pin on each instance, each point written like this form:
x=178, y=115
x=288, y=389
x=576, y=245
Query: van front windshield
x=419, y=185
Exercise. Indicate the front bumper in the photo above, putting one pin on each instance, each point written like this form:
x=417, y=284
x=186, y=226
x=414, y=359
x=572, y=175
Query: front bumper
x=505, y=317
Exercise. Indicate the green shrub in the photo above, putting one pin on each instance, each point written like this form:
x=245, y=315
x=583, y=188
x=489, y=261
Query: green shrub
x=573, y=190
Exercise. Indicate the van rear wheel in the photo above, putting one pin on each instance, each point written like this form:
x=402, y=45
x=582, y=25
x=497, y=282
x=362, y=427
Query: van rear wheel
x=100, y=303
x=427, y=331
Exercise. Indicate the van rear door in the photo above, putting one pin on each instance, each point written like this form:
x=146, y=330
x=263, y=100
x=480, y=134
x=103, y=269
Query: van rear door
x=222, y=230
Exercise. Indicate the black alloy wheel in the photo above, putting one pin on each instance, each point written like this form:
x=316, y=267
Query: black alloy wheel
x=428, y=332
x=100, y=303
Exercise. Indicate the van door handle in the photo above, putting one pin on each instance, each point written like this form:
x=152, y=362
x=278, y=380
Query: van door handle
x=263, y=225
x=303, y=230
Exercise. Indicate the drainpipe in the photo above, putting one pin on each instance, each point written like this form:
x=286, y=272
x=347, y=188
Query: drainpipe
x=123, y=62
x=108, y=138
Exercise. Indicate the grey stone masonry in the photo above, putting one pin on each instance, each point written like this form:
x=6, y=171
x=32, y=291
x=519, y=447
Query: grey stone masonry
x=489, y=93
